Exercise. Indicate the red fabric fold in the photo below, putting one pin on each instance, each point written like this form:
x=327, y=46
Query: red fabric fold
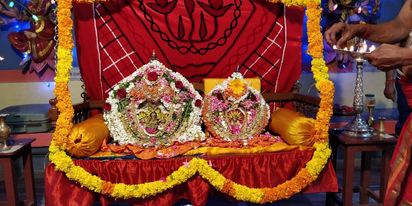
x=257, y=170
x=260, y=39
x=63, y=191
x=399, y=188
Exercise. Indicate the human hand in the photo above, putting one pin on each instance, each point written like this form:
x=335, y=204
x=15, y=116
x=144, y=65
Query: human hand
x=389, y=90
x=385, y=57
x=340, y=33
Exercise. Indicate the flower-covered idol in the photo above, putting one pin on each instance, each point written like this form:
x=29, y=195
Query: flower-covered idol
x=234, y=110
x=154, y=107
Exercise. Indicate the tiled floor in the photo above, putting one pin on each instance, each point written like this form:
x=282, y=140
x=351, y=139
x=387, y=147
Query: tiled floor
x=298, y=200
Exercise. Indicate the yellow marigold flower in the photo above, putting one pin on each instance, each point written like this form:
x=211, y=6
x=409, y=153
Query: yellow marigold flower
x=237, y=86
x=320, y=158
x=245, y=193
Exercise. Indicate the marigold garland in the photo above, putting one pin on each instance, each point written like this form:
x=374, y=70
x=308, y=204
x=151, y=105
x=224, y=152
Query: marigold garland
x=304, y=177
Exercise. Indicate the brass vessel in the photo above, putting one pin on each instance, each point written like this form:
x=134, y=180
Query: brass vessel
x=4, y=132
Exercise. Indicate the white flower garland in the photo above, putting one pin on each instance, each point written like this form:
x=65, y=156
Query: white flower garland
x=154, y=75
x=215, y=120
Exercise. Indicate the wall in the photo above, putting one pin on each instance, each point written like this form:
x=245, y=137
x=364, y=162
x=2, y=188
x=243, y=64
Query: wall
x=389, y=9
x=34, y=93
x=17, y=88
x=373, y=83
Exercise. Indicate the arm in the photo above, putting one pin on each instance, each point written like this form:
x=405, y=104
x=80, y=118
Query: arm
x=388, y=56
x=389, y=90
x=390, y=76
x=394, y=30
x=389, y=32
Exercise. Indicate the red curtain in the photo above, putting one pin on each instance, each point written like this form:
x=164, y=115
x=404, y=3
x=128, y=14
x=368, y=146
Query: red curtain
x=205, y=38
x=255, y=170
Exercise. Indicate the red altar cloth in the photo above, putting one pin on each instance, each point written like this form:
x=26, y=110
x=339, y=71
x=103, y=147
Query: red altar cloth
x=254, y=170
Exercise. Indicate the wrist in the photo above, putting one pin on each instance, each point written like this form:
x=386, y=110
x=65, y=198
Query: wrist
x=406, y=57
x=390, y=81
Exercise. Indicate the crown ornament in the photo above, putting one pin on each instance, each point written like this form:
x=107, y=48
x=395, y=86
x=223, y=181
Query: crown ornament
x=154, y=107
x=234, y=110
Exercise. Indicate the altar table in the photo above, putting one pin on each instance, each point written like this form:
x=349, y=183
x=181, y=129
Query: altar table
x=366, y=146
x=253, y=170
x=18, y=148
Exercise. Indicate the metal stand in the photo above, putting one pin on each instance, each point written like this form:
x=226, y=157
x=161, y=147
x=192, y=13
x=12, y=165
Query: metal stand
x=358, y=127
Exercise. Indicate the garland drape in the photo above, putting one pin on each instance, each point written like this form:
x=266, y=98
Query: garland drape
x=304, y=177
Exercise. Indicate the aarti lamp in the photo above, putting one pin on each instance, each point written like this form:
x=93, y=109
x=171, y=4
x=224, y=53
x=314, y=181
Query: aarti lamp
x=358, y=127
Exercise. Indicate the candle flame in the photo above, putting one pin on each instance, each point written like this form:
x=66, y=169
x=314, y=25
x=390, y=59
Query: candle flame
x=335, y=7
x=1, y=58
x=334, y=47
x=372, y=48
x=351, y=48
x=359, y=10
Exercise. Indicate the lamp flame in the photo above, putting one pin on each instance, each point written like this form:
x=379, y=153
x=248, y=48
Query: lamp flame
x=364, y=48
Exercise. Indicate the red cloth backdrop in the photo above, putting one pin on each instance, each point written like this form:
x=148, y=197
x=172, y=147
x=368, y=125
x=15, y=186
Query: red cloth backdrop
x=205, y=38
x=254, y=170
